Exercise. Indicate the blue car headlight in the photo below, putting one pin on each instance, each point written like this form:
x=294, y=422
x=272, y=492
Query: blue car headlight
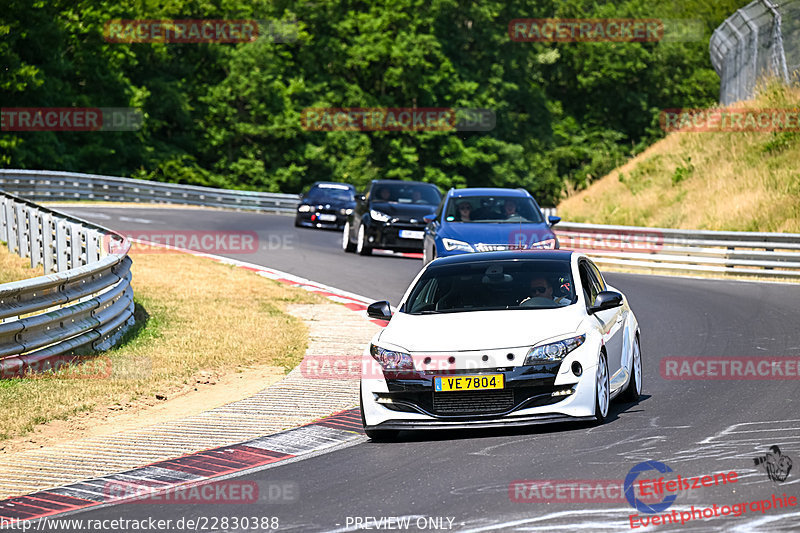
x=452, y=244
x=553, y=351
x=547, y=244
x=391, y=359
x=304, y=208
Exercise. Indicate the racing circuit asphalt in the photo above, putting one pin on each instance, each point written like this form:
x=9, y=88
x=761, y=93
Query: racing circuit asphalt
x=695, y=427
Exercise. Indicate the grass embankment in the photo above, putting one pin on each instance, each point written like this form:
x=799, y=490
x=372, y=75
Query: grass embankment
x=195, y=317
x=735, y=181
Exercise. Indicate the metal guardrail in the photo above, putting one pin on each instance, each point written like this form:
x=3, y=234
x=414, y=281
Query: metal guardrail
x=84, y=301
x=774, y=255
x=49, y=186
x=761, y=254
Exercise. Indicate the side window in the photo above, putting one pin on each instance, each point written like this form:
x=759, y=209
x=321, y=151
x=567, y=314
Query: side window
x=598, y=276
x=591, y=286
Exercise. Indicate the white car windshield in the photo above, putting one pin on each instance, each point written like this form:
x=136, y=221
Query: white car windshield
x=492, y=285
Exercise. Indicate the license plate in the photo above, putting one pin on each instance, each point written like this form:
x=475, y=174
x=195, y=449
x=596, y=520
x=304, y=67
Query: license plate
x=464, y=383
x=411, y=234
x=327, y=218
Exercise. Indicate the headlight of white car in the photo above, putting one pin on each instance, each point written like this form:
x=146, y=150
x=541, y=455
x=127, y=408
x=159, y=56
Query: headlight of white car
x=391, y=359
x=304, y=208
x=553, y=351
x=452, y=244
x=377, y=215
x=547, y=244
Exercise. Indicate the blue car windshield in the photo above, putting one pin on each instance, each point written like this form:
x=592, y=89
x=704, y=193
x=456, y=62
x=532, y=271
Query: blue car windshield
x=510, y=209
x=485, y=286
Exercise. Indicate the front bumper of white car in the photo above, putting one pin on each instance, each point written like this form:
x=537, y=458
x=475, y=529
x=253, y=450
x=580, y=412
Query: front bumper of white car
x=533, y=394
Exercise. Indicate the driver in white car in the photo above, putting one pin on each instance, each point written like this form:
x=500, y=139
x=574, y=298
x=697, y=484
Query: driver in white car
x=541, y=287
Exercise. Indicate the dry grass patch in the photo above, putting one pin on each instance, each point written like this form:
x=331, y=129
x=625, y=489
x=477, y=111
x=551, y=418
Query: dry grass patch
x=195, y=318
x=15, y=268
x=717, y=181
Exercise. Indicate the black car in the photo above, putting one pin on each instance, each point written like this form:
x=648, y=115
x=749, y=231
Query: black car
x=390, y=216
x=326, y=205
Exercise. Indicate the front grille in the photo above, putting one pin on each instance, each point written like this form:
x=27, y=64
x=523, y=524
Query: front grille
x=474, y=402
x=481, y=247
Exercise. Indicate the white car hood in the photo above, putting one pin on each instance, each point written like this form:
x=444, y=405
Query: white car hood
x=479, y=330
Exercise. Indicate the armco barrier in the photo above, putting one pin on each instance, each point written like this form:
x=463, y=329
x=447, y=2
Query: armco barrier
x=653, y=249
x=48, y=186
x=775, y=255
x=83, y=302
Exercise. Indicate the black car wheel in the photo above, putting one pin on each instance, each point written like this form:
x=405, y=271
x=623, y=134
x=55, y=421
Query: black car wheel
x=361, y=244
x=347, y=246
x=297, y=221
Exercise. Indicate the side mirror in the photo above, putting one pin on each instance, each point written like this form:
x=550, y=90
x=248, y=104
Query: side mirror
x=553, y=220
x=429, y=218
x=380, y=310
x=606, y=300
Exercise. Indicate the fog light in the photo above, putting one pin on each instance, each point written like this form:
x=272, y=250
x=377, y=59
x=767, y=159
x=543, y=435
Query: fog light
x=577, y=369
x=563, y=392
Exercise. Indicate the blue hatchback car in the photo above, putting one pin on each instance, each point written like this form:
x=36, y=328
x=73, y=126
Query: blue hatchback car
x=487, y=220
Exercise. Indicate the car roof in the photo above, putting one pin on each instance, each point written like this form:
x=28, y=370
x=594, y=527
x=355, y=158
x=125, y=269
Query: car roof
x=519, y=255
x=401, y=182
x=488, y=191
x=317, y=183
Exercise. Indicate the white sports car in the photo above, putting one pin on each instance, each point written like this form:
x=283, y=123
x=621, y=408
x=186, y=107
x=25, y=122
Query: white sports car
x=500, y=339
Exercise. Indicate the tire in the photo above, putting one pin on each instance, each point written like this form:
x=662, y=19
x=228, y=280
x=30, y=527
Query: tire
x=347, y=246
x=634, y=389
x=297, y=222
x=361, y=243
x=376, y=435
x=602, y=390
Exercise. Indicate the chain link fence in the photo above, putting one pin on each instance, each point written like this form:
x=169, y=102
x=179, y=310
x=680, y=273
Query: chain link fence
x=760, y=40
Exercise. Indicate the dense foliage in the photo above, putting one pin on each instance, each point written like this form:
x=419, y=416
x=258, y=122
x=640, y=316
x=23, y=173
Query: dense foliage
x=229, y=114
